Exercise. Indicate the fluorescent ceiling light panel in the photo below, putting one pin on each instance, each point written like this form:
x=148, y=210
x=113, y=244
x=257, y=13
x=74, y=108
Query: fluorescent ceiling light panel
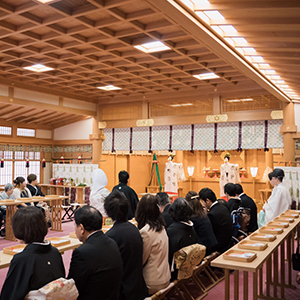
x=45, y=1
x=152, y=47
x=109, y=88
x=186, y=104
x=175, y=105
x=214, y=15
x=239, y=41
x=247, y=100
x=38, y=68
x=218, y=30
x=233, y=100
x=206, y=76
x=228, y=29
x=203, y=17
x=188, y=3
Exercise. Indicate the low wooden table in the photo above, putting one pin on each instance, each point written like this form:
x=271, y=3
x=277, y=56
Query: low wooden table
x=11, y=208
x=5, y=259
x=280, y=247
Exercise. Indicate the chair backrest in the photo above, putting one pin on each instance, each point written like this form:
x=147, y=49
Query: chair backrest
x=187, y=258
x=59, y=289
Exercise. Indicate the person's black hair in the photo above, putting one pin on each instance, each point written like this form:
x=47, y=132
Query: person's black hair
x=277, y=173
x=31, y=177
x=29, y=225
x=147, y=212
x=227, y=156
x=123, y=177
x=193, y=199
x=116, y=206
x=180, y=210
x=239, y=189
x=230, y=189
x=19, y=180
x=163, y=198
x=89, y=217
x=207, y=193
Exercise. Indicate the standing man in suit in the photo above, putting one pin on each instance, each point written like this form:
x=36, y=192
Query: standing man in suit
x=164, y=206
x=130, y=244
x=220, y=219
x=248, y=202
x=129, y=193
x=96, y=266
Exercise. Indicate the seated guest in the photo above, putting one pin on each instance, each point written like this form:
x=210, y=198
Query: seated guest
x=38, y=264
x=181, y=232
x=130, y=244
x=234, y=202
x=99, y=192
x=220, y=219
x=96, y=266
x=21, y=191
x=34, y=189
x=248, y=202
x=164, y=206
x=201, y=223
x=129, y=193
x=155, y=241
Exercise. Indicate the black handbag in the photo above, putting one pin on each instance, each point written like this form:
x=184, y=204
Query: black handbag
x=296, y=260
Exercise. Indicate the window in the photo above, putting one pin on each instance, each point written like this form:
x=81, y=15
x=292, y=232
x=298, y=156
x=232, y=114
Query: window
x=5, y=130
x=8, y=155
x=34, y=168
x=19, y=155
x=6, y=173
x=25, y=132
x=20, y=169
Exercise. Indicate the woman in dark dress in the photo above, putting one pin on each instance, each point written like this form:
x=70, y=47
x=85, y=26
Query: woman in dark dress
x=201, y=222
x=38, y=264
x=181, y=232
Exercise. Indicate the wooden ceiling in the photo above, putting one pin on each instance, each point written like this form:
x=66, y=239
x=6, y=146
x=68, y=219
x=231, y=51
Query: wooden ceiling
x=89, y=43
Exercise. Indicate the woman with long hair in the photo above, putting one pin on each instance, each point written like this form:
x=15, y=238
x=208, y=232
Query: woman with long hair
x=151, y=224
x=201, y=222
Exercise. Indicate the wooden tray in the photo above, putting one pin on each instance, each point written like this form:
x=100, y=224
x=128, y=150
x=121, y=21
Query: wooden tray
x=262, y=237
x=73, y=235
x=292, y=211
x=58, y=242
x=250, y=245
x=14, y=249
x=238, y=255
x=289, y=215
x=284, y=219
x=278, y=224
x=272, y=230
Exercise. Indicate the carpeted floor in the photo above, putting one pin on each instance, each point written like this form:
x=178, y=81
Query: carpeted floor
x=215, y=293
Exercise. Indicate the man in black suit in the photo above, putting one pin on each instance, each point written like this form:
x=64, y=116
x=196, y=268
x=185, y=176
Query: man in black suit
x=248, y=202
x=129, y=193
x=220, y=219
x=96, y=266
x=164, y=206
x=130, y=244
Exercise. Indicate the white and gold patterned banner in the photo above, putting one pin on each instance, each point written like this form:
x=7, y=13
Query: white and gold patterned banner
x=225, y=136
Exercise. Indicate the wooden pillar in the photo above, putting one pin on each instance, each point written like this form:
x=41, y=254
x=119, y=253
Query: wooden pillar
x=97, y=138
x=217, y=103
x=287, y=130
x=269, y=159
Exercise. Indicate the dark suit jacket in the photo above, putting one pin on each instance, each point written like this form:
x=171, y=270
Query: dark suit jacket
x=33, y=191
x=247, y=202
x=131, y=196
x=234, y=204
x=96, y=267
x=130, y=244
x=205, y=233
x=180, y=235
x=167, y=217
x=30, y=270
x=222, y=226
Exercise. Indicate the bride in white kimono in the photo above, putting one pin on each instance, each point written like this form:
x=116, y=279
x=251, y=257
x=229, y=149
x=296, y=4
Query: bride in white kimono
x=280, y=199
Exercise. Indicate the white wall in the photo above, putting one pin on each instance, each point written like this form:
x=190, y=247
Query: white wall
x=76, y=131
x=297, y=115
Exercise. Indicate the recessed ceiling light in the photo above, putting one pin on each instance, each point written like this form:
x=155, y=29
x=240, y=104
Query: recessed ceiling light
x=152, y=47
x=206, y=76
x=109, y=88
x=233, y=100
x=38, y=68
x=45, y=1
x=228, y=29
x=214, y=15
